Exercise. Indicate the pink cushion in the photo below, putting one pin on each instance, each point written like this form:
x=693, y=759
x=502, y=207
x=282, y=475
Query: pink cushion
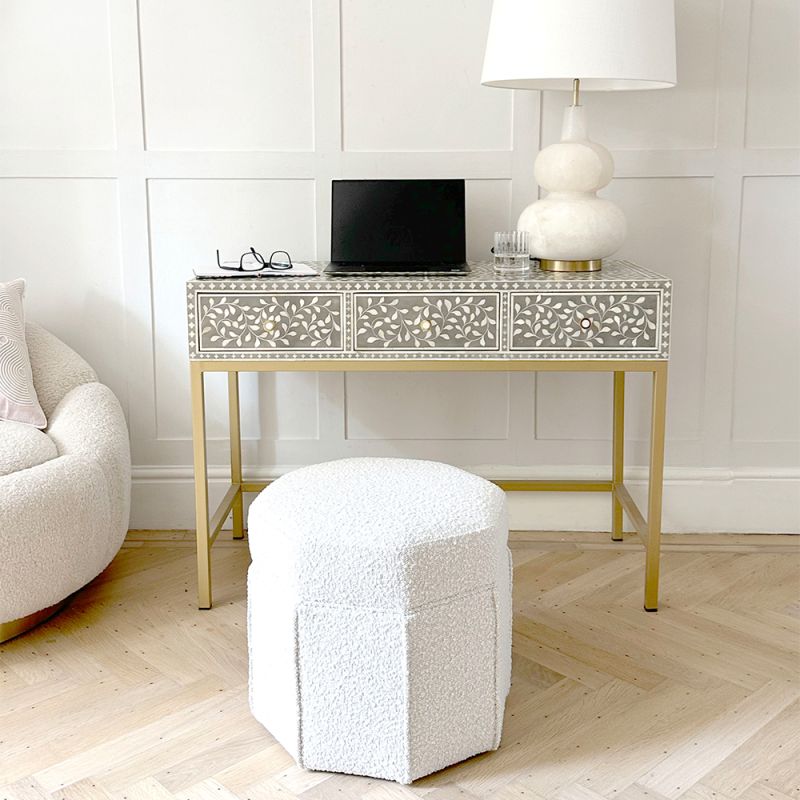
x=18, y=401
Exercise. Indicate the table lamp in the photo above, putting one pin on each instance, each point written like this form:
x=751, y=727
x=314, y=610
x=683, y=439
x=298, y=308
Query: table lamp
x=589, y=45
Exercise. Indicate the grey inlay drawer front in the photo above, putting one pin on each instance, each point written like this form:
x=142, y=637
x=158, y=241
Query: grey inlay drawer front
x=267, y=322
x=432, y=321
x=557, y=321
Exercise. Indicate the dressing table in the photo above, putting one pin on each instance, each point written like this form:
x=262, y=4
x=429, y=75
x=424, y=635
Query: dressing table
x=616, y=320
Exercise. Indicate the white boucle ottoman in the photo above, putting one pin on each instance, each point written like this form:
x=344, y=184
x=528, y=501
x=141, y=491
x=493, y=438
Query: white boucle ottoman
x=379, y=615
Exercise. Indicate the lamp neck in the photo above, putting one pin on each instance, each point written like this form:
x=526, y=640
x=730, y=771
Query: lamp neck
x=576, y=91
x=574, y=127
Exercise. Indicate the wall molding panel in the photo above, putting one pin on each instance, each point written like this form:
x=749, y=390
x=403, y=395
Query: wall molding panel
x=156, y=178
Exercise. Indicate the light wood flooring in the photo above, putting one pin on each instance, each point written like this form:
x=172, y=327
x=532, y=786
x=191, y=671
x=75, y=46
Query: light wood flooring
x=133, y=694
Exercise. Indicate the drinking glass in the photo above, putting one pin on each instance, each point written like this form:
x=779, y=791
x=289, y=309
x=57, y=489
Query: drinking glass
x=511, y=253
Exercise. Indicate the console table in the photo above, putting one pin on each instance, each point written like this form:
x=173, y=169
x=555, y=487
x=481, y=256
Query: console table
x=616, y=320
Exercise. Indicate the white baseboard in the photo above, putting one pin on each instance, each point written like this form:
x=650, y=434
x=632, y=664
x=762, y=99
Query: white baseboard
x=696, y=500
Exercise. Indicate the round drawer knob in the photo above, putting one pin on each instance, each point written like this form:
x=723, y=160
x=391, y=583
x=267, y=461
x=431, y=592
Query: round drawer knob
x=269, y=325
x=425, y=324
x=586, y=323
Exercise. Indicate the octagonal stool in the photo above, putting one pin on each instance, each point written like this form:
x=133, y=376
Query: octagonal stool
x=379, y=615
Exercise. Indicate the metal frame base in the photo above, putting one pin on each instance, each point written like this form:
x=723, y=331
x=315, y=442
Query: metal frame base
x=16, y=627
x=648, y=529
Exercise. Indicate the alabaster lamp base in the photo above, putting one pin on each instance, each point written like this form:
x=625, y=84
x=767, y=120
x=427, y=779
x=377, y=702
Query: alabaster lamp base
x=572, y=229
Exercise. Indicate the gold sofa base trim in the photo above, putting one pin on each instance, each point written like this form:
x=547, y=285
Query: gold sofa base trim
x=8, y=630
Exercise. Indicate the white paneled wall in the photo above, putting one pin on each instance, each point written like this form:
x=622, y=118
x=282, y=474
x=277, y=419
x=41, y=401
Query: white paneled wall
x=135, y=138
x=227, y=76
x=55, y=82
x=416, y=91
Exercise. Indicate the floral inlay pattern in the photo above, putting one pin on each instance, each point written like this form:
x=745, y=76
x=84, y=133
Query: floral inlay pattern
x=415, y=321
x=622, y=311
x=554, y=321
x=270, y=321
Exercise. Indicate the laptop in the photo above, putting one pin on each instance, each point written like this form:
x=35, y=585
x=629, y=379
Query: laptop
x=393, y=226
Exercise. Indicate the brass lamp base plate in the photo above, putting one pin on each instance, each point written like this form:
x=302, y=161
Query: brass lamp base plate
x=559, y=265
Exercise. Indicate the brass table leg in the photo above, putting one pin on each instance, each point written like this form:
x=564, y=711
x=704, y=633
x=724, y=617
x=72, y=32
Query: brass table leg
x=236, y=453
x=650, y=530
x=201, y=487
x=656, y=487
x=618, y=453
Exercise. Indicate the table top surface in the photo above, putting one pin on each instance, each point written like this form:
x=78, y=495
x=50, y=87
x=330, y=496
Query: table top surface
x=481, y=275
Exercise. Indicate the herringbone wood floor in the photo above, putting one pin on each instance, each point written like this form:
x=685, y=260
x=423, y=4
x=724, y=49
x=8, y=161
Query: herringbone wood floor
x=132, y=693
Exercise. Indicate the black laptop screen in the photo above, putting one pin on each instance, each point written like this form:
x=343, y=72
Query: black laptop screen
x=398, y=222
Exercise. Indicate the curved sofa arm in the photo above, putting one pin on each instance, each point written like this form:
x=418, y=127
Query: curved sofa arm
x=89, y=424
x=56, y=367
x=54, y=533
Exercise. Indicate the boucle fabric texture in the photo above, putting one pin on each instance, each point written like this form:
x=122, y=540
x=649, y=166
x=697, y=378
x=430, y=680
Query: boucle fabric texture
x=379, y=615
x=23, y=446
x=63, y=520
x=18, y=401
x=57, y=368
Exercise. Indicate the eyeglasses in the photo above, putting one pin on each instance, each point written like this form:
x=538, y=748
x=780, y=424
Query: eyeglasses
x=253, y=261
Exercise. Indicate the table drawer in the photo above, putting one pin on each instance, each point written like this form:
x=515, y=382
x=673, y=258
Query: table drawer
x=578, y=321
x=268, y=322
x=426, y=321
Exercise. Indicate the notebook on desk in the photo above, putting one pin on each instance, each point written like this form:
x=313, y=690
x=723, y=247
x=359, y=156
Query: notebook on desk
x=297, y=270
x=397, y=226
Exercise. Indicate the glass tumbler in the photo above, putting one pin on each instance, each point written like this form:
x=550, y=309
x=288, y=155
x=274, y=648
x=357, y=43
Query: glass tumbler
x=511, y=253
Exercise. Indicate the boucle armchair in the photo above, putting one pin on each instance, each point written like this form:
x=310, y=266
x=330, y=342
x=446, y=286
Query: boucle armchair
x=64, y=491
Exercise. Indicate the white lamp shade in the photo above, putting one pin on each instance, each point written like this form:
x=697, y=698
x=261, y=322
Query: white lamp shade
x=608, y=44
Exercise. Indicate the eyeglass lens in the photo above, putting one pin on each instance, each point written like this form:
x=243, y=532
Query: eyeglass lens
x=280, y=260
x=251, y=260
